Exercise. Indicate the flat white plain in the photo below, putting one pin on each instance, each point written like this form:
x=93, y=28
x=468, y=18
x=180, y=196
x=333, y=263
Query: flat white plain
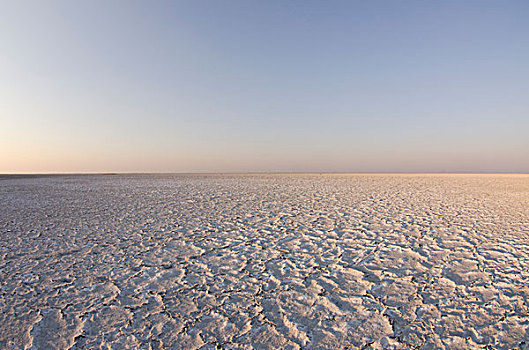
x=264, y=261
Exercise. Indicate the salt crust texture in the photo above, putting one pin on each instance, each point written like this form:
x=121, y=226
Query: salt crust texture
x=265, y=261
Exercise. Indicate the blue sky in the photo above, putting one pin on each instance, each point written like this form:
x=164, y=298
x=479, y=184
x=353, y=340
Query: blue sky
x=229, y=86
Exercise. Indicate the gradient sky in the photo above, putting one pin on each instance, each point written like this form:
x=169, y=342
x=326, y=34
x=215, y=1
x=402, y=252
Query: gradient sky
x=230, y=86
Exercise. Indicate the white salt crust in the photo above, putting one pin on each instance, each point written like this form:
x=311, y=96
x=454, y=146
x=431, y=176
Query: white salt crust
x=264, y=262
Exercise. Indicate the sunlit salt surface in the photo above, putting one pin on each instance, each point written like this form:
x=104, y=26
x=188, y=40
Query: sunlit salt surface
x=264, y=261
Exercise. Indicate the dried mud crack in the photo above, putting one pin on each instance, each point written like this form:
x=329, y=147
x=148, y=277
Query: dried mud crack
x=265, y=262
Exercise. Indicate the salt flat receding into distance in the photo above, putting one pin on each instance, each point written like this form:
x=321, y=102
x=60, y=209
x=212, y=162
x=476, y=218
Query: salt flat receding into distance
x=264, y=261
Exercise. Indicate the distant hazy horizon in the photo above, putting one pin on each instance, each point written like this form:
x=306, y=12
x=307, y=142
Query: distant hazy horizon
x=244, y=86
x=256, y=173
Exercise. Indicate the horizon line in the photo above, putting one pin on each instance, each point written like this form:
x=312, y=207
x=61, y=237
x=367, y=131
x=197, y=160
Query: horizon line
x=270, y=173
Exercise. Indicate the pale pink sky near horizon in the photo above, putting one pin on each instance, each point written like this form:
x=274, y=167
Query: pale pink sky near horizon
x=210, y=86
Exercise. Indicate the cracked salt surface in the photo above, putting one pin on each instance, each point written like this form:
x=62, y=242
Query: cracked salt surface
x=264, y=261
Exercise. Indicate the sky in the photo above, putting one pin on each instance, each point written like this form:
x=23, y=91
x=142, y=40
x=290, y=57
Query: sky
x=264, y=86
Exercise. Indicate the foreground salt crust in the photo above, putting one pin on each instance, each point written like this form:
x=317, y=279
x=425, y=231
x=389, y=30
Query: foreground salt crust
x=265, y=261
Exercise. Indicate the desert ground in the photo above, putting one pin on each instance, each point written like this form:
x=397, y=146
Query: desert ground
x=313, y=261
